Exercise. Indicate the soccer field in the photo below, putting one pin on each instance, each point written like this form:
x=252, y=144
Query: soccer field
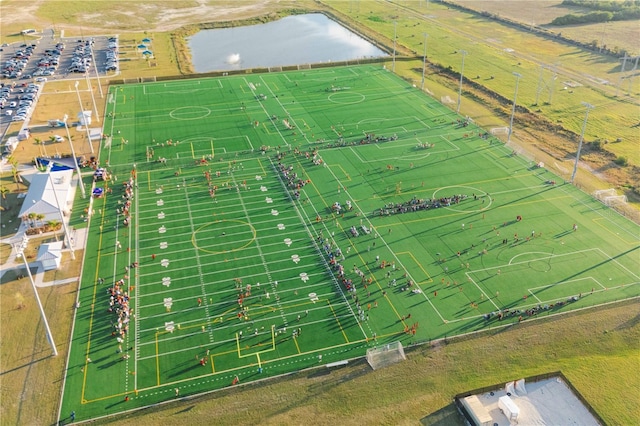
x=260, y=224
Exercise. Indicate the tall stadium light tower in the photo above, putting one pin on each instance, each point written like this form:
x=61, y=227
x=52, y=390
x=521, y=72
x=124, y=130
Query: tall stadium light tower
x=93, y=98
x=20, y=252
x=95, y=67
x=584, y=127
x=75, y=159
x=464, y=53
x=513, y=108
x=424, y=59
x=393, y=66
x=86, y=126
x=64, y=224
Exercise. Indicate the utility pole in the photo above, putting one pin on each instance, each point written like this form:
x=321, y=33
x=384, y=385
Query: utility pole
x=20, y=252
x=584, y=127
x=424, y=59
x=513, y=108
x=393, y=67
x=464, y=53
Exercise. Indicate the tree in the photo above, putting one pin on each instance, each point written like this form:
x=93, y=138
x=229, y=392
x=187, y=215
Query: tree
x=40, y=217
x=43, y=149
x=15, y=172
x=32, y=219
x=54, y=225
x=3, y=191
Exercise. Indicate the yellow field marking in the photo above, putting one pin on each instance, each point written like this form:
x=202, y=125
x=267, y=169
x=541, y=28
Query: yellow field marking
x=279, y=359
x=598, y=219
x=149, y=180
x=93, y=303
x=193, y=154
x=213, y=153
x=273, y=345
x=345, y=172
x=431, y=189
x=426, y=219
x=264, y=172
x=157, y=360
x=429, y=279
x=297, y=347
x=213, y=370
x=266, y=129
x=346, y=339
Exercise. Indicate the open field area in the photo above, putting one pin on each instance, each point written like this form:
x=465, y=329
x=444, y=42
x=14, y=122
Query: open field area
x=620, y=34
x=555, y=79
x=270, y=226
x=190, y=245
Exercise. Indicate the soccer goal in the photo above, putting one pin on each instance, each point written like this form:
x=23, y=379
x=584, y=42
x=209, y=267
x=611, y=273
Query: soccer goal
x=386, y=355
x=615, y=200
x=275, y=69
x=148, y=79
x=499, y=131
x=304, y=66
x=601, y=194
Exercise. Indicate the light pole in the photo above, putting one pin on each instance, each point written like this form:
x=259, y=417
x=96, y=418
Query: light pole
x=20, y=252
x=393, y=66
x=86, y=126
x=584, y=127
x=513, y=108
x=464, y=53
x=75, y=159
x=95, y=67
x=424, y=59
x=64, y=224
x=93, y=98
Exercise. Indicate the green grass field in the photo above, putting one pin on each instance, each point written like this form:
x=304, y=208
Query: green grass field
x=231, y=261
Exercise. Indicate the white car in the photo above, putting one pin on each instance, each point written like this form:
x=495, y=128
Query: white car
x=41, y=79
x=9, y=112
x=13, y=104
x=58, y=138
x=19, y=118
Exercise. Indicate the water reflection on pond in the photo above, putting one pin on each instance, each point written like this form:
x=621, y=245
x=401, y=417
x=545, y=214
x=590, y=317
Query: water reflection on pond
x=298, y=39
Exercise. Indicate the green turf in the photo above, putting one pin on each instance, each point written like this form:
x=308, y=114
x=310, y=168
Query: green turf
x=201, y=240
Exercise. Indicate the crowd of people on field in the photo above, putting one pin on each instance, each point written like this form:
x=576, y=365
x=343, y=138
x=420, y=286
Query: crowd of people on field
x=416, y=204
x=124, y=205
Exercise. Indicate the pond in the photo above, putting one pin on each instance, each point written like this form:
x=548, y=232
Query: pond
x=294, y=40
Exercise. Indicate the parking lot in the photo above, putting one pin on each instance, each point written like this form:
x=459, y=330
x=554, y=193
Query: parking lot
x=26, y=66
x=57, y=58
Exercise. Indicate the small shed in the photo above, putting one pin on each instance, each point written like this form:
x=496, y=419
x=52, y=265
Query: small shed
x=84, y=118
x=50, y=255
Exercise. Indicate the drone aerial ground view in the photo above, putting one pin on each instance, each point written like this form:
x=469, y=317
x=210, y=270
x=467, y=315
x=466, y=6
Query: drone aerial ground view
x=398, y=237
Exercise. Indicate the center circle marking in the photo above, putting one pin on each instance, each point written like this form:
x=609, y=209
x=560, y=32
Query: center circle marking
x=190, y=113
